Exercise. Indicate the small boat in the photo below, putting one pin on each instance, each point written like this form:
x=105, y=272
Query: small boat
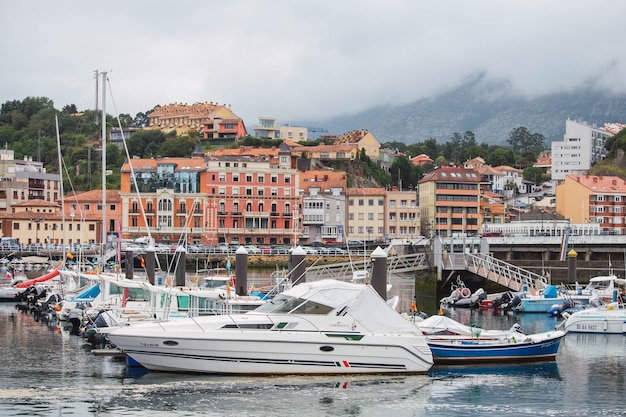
x=510, y=348
x=454, y=343
x=322, y=327
x=461, y=296
x=607, y=318
x=603, y=288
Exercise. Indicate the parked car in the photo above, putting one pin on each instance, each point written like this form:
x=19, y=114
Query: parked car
x=252, y=250
x=222, y=247
x=336, y=251
x=266, y=250
x=310, y=250
x=281, y=250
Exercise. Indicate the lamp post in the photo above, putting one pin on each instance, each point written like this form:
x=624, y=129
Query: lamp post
x=542, y=222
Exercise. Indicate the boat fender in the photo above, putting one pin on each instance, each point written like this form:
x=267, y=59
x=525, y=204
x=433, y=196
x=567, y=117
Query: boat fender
x=465, y=293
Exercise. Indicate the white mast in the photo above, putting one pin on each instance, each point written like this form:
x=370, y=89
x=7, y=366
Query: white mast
x=104, y=159
x=56, y=119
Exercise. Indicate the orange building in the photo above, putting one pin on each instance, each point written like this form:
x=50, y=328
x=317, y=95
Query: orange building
x=593, y=199
x=238, y=197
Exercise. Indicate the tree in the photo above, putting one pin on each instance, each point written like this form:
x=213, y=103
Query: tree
x=145, y=143
x=141, y=120
x=178, y=147
x=533, y=174
x=70, y=109
x=522, y=140
x=499, y=155
x=403, y=169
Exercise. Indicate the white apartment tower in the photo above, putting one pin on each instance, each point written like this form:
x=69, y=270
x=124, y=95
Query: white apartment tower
x=582, y=146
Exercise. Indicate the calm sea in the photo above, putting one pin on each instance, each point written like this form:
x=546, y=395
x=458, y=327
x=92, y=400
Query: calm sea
x=47, y=372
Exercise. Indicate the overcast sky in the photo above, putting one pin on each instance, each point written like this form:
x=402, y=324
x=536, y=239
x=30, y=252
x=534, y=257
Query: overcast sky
x=301, y=59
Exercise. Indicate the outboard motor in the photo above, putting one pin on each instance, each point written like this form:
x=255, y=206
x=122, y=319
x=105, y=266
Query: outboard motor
x=558, y=310
x=514, y=302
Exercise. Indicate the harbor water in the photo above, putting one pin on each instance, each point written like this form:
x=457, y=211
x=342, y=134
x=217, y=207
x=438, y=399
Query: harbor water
x=48, y=372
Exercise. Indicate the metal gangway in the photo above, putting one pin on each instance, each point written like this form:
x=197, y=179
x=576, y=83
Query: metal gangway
x=504, y=273
x=344, y=271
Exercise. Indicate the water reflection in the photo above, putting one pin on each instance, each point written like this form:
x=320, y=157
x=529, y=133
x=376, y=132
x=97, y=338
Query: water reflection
x=282, y=395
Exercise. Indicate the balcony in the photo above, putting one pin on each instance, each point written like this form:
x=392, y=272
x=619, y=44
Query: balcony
x=222, y=213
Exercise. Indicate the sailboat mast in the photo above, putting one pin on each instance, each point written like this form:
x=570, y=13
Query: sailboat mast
x=104, y=159
x=56, y=119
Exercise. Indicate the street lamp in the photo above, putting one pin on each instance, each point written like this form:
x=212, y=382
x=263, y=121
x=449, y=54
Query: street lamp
x=542, y=222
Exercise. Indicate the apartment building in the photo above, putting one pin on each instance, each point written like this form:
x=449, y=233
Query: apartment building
x=581, y=147
x=253, y=200
x=215, y=121
x=41, y=222
x=91, y=205
x=23, y=180
x=402, y=215
x=365, y=214
x=593, y=199
x=167, y=198
x=449, y=200
x=268, y=128
x=323, y=206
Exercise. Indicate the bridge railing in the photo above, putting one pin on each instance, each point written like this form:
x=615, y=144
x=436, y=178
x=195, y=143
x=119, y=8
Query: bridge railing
x=504, y=273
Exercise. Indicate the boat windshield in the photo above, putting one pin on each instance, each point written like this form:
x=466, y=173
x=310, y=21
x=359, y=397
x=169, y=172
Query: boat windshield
x=214, y=283
x=283, y=304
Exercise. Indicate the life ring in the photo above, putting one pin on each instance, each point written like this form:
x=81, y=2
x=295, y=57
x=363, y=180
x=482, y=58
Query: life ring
x=233, y=281
x=465, y=293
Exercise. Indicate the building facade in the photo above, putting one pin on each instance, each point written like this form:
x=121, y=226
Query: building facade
x=268, y=128
x=323, y=206
x=593, y=199
x=41, y=222
x=215, y=121
x=402, y=215
x=449, y=200
x=23, y=180
x=581, y=147
x=365, y=214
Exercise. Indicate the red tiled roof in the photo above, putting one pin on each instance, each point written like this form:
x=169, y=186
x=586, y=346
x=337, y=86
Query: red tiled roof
x=602, y=184
x=449, y=173
x=323, y=179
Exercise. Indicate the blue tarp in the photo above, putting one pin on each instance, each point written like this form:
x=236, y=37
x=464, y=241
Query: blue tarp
x=550, y=292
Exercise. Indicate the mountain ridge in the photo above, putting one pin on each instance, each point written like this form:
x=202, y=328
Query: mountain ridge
x=489, y=109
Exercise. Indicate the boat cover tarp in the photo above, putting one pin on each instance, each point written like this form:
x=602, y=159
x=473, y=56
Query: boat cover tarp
x=360, y=301
x=550, y=292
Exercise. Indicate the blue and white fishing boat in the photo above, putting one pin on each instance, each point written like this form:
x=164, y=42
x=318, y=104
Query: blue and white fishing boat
x=454, y=343
x=511, y=348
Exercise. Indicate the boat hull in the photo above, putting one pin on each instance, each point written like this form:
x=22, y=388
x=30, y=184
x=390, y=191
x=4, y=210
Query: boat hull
x=597, y=321
x=10, y=293
x=447, y=351
x=270, y=352
x=543, y=305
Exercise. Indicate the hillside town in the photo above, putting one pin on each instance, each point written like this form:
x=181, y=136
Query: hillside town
x=289, y=195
